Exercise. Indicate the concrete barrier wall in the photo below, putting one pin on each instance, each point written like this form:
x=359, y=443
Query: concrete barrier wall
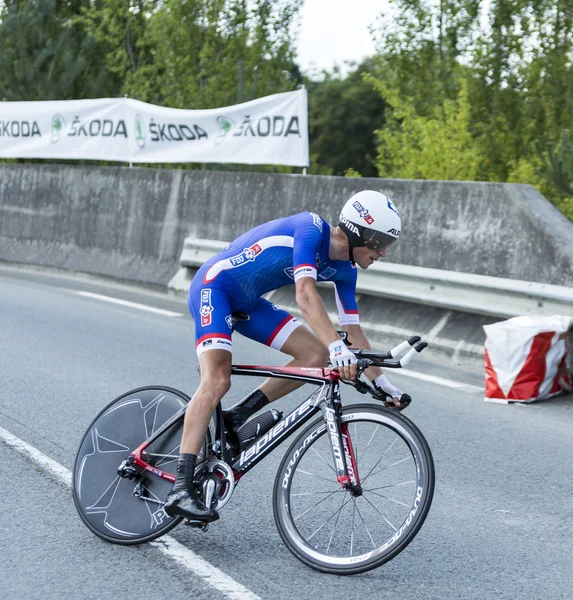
x=131, y=223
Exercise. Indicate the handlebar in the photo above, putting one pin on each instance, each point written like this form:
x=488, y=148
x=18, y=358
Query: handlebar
x=369, y=358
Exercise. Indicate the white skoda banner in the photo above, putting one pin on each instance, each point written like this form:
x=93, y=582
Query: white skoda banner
x=270, y=130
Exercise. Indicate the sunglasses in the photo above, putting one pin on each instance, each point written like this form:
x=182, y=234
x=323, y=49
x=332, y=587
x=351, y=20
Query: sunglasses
x=378, y=241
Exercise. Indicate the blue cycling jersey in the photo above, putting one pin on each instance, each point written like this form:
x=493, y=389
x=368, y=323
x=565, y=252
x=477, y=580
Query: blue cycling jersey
x=264, y=259
x=279, y=253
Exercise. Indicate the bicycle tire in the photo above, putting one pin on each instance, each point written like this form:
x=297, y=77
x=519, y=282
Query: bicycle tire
x=126, y=519
x=285, y=501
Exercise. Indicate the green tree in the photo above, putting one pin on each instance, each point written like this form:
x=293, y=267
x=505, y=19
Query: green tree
x=420, y=46
x=197, y=53
x=120, y=30
x=440, y=146
x=513, y=56
x=343, y=116
x=44, y=54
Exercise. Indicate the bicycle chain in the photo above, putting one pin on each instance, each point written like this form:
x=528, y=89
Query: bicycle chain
x=140, y=495
x=156, y=455
x=148, y=499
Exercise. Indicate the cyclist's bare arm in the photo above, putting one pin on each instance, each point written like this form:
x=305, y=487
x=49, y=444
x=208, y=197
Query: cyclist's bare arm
x=313, y=310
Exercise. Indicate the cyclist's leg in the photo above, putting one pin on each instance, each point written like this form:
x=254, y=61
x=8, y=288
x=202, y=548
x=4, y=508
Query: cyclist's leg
x=215, y=366
x=210, y=308
x=278, y=329
x=307, y=351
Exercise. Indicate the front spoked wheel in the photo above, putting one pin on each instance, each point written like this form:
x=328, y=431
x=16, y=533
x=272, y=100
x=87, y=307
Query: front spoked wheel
x=337, y=531
x=117, y=509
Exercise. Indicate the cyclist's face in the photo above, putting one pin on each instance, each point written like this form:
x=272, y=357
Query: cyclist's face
x=364, y=257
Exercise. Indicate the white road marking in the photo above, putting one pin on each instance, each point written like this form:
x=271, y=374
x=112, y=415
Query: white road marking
x=159, y=311
x=167, y=545
x=456, y=385
x=213, y=576
x=40, y=459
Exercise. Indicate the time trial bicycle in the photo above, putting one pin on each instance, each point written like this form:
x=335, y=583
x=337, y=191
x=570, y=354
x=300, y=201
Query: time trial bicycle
x=351, y=492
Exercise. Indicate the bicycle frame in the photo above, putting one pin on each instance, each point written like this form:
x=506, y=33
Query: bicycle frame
x=325, y=399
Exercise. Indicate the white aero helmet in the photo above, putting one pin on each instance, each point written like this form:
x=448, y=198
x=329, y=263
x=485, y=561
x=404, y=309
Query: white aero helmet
x=370, y=219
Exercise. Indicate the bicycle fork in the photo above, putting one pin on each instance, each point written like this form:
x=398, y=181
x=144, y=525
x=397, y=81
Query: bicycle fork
x=346, y=466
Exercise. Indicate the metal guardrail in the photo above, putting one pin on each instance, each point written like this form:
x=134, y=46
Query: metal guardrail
x=465, y=292
x=197, y=251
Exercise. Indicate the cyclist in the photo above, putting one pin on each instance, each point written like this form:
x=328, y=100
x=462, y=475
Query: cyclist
x=301, y=249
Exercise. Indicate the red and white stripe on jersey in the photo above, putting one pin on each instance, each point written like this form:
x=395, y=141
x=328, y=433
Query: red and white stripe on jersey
x=227, y=263
x=304, y=270
x=214, y=341
x=345, y=317
x=282, y=332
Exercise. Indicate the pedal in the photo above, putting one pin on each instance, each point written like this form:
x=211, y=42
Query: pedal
x=202, y=525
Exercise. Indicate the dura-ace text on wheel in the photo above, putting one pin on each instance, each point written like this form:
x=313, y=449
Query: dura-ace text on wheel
x=347, y=531
x=120, y=509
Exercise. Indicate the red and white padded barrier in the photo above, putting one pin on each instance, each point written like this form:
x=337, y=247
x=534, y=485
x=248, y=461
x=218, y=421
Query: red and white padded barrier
x=528, y=358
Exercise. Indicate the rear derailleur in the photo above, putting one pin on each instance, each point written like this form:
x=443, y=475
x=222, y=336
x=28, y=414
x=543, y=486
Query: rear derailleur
x=129, y=470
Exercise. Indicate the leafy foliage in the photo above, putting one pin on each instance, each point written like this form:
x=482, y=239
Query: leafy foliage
x=439, y=146
x=196, y=53
x=44, y=55
x=459, y=89
x=343, y=116
x=557, y=164
x=476, y=89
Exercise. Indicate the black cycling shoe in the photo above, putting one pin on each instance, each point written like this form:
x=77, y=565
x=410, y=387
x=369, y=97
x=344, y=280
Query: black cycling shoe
x=185, y=504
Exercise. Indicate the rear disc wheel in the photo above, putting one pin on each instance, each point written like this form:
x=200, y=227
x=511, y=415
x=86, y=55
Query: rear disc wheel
x=116, y=509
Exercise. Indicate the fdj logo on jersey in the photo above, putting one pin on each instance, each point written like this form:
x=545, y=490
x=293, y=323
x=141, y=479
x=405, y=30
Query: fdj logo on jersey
x=206, y=307
x=363, y=212
x=247, y=255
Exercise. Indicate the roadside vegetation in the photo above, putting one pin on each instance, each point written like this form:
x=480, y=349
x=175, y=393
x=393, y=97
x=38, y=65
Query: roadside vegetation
x=477, y=90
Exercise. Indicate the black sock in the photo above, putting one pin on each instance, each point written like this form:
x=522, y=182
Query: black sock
x=246, y=407
x=185, y=472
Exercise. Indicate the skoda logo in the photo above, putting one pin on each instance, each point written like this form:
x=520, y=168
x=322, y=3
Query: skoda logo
x=139, y=131
x=58, y=126
x=226, y=125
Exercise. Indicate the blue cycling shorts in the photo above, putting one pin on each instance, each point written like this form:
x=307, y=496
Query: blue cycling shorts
x=211, y=307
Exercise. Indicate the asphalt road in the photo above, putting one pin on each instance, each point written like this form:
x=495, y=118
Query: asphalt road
x=500, y=526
